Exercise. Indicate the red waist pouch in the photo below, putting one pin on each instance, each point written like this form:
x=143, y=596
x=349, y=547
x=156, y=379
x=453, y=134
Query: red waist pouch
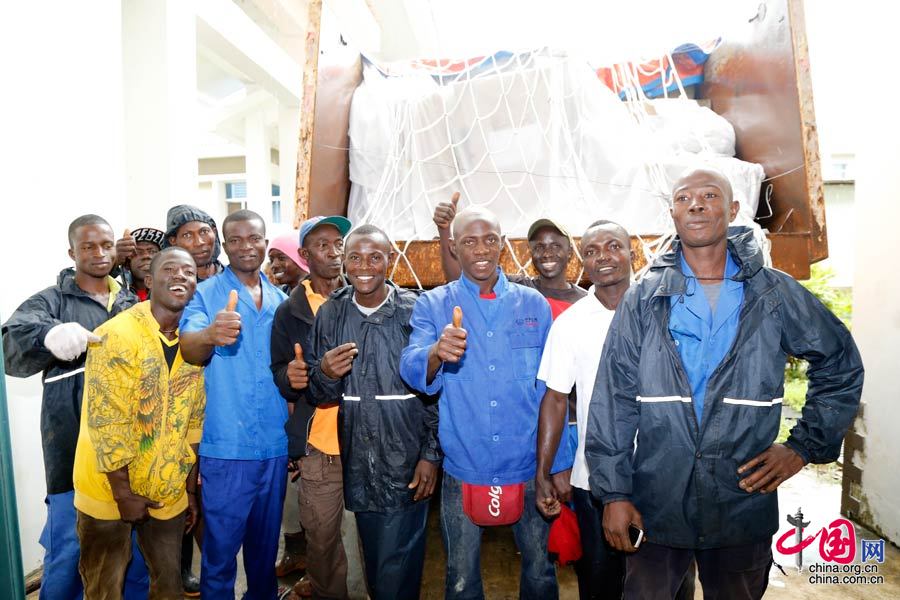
x=489, y=505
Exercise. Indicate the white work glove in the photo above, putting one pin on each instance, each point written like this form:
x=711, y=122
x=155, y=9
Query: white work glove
x=68, y=341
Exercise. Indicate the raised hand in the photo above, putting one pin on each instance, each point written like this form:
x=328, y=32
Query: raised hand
x=125, y=247
x=297, y=372
x=444, y=213
x=337, y=362
x=226, y=327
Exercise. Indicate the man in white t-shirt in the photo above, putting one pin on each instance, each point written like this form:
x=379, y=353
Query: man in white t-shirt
x=570, y=358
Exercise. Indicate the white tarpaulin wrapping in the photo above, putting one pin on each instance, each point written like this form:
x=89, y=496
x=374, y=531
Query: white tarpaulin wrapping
x=535, y=137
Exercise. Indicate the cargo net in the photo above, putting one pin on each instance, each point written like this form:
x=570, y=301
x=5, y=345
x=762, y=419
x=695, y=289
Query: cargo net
x=531, y=135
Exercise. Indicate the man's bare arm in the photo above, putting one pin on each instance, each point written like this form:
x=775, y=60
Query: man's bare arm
x=551, y=422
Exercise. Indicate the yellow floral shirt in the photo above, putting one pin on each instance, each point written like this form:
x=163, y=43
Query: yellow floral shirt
x=137, y=413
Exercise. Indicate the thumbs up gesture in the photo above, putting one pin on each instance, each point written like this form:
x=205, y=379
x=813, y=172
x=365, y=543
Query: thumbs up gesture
x=445, y=212
x=226, y=327
x=297, y=372
x=125, y=248
x=451, y=345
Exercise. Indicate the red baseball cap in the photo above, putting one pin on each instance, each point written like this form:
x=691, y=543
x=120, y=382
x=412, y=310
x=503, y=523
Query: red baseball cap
x=565, y=537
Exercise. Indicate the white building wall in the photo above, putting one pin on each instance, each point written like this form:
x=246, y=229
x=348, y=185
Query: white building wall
x=840, y=215
x=61, y=157
x=876, y=325
x=876, y=286
x=160, y=96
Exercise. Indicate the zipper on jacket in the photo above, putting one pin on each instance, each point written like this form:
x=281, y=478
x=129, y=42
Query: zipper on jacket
x=732, y=351
x=667, y=341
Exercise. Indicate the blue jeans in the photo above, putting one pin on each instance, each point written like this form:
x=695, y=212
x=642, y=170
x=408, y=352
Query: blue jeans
x=242, y=504
x=61, y=579
x=462, y=541
x=393, y=547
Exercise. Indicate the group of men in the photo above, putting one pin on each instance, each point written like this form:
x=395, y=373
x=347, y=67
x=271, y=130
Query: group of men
x=652, y=408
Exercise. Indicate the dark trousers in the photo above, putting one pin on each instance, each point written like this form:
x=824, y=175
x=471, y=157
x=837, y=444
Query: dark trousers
x=656, y=572
x=462, y=540
x=242, y=503
x=601, y=570
x=60, y=540
x=106, y=552
x=393, y=547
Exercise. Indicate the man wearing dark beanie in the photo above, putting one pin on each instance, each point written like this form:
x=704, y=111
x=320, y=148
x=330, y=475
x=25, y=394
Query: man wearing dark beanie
x=194, y=230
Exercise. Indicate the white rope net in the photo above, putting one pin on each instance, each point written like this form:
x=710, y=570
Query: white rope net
x=530, y=135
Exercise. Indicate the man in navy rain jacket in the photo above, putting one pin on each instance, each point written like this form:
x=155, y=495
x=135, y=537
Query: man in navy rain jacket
x=694, y=366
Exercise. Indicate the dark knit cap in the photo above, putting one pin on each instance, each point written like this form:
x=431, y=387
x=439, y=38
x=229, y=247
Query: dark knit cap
x=185, y=213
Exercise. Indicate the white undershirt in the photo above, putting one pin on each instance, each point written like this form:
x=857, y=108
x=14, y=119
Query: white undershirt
x=369, y=311
x=571, y=356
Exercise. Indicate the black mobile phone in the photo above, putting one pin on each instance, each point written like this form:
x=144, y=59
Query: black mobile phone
x=636, y=535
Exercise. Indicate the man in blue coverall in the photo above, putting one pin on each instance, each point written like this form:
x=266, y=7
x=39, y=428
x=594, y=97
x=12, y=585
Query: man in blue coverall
x=485, y=371
x=243, y=453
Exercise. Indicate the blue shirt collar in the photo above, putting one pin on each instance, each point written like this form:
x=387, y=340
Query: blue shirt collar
x=730, y=297
x=731, y=267
x=270, y=294
x=499, y=287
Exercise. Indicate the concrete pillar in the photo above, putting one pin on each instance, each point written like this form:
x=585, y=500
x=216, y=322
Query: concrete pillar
x=876, y=327
x=259, y=165
x=288, y=140
x=876, y=294
x=159, y=50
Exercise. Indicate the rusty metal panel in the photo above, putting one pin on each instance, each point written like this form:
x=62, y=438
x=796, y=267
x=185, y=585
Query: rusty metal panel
x=307, y=111
x=790, y=253
x=760, y=82
x=425, y=256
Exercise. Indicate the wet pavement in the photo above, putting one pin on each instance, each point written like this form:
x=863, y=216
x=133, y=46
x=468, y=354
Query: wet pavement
x=816, y=490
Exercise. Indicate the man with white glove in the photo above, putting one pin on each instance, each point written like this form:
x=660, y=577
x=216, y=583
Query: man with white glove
x=49, y=334
x=68, y=341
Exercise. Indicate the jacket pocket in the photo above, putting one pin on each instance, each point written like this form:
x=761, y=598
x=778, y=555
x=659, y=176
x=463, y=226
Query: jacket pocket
x=526, y=353
x=752, y=423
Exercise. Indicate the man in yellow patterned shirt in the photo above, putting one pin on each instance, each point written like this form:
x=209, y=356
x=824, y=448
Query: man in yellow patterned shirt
x=142, y=416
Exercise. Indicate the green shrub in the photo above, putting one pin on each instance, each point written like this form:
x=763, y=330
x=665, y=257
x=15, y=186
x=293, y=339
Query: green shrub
x=795, y=393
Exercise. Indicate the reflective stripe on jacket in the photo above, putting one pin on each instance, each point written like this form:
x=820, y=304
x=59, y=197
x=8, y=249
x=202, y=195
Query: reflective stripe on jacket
x=683, y=477
x=385, y=426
